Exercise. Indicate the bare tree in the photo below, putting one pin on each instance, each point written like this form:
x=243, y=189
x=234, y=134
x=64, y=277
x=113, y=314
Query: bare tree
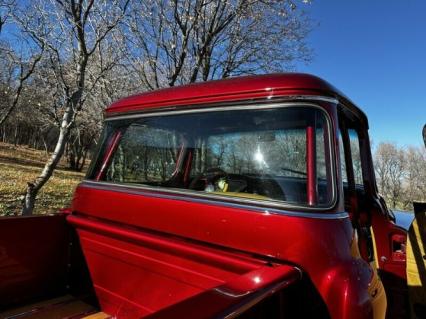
x=80, y=55
x=107, y=81
x=186, y=41
x=24, y=68
x=415, y=176
x=401, y=174
x=389, y=163
x=17, y=64
x=71, y=31
x=6, y=8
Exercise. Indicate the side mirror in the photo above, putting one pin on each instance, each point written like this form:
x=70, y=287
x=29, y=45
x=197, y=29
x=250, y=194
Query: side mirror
x=424, y=134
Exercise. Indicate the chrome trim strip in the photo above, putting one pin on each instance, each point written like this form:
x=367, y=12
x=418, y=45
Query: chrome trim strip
x=239, y=105
x=230, y=293
x=268, y=292
x=192, y=196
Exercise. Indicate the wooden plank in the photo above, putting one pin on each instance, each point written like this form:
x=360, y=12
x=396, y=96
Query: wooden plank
x=98, y=315
x=57, y=308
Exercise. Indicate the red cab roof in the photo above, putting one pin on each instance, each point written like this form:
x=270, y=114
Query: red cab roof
x=232, y=89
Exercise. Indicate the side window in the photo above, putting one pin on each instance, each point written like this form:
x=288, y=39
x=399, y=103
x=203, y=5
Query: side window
x=342, y=159
x=356, y=157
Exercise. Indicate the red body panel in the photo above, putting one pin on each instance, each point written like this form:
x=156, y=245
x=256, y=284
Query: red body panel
x=33, y=257
x=386, y=233
x=159, y=271
x=234, y=89
x=311, y=166
x=321, y=247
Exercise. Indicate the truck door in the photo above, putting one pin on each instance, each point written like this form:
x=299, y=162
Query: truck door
x=381, y=242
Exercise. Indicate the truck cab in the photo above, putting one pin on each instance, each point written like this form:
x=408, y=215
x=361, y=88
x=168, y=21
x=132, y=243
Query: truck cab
x=251, y=197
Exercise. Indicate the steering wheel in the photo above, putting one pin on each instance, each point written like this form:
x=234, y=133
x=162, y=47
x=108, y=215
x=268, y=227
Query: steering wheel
x=210, y=177
x=269, y=187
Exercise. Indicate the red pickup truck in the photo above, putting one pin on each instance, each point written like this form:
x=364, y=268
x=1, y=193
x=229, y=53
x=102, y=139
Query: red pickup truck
x=251, y=197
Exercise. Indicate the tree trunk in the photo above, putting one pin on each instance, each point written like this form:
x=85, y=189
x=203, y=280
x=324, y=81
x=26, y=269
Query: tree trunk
x=83, y=160
x=71, y=156
x=34, y=187
x=29, y=200
x=46, y=148
x=15, y=138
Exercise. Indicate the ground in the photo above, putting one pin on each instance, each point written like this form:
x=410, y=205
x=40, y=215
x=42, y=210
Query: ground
x=19, y=165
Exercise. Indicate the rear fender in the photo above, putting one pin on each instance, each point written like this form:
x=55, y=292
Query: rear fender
x=353, y=290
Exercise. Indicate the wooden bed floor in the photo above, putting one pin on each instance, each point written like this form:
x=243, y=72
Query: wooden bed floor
x=65, y=307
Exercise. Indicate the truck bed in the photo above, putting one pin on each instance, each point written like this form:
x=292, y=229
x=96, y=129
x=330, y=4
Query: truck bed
x=74, y=266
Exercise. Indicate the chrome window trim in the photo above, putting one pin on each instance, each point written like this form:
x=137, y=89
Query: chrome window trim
x=219, y=198
x=171, y=194
x=237, y=105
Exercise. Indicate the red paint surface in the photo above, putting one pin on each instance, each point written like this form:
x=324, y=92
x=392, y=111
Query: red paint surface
x=33, y=257
x=114, y=227
x=160, y=271
x=311, y=162
x=386, y=233
x=234, y=89
x=227, y=298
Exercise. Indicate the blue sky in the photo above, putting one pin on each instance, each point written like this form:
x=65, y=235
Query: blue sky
x=374, y=51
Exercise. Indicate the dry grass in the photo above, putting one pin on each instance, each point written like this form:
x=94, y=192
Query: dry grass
x=19, y=165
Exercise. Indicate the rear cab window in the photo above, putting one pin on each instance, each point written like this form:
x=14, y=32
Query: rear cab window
x=277, y=155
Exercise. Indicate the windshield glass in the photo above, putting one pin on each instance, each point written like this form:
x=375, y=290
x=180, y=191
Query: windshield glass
x=276, y=154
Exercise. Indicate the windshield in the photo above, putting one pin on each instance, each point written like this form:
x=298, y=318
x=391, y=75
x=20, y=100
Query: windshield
x=277, y=154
